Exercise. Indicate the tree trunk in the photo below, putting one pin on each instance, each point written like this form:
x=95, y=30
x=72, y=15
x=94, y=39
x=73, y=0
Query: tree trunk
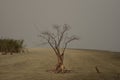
x=60, y=66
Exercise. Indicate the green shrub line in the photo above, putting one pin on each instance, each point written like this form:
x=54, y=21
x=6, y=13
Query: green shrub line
x=11, y=46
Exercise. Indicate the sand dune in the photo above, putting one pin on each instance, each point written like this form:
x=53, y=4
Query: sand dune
x=33, y=65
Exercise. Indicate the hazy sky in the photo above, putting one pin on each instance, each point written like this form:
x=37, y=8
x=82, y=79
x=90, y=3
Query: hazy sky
x=97, y=22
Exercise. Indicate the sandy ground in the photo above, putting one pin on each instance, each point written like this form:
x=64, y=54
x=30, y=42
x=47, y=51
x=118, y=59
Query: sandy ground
x=33, y=65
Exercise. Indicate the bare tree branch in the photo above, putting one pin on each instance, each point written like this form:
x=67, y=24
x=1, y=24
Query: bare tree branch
x=70, y=39
x=57, y=28
x=65, y=28
x=48, y=40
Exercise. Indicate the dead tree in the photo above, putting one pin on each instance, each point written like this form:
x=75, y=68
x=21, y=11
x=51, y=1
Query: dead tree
x=56, y=40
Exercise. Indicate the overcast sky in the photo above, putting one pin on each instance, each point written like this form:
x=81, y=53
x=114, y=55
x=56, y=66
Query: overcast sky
x=97, y=22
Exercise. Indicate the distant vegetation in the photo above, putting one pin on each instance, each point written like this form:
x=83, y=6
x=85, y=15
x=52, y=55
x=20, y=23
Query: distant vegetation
x=11, y=46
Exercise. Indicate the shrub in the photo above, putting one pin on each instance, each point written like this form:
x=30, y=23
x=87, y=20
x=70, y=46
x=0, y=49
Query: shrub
x=11, y=46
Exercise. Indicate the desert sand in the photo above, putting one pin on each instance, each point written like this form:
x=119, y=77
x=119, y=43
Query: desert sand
x=32, y=65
